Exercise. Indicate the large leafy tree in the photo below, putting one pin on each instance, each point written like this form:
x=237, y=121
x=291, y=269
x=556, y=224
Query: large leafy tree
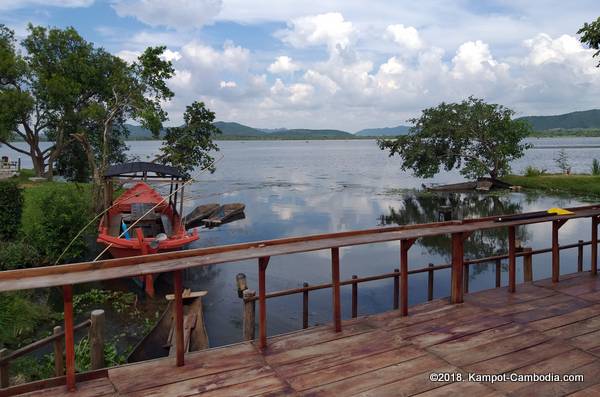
x=590, y=35
x=43, y=91
x=189, y=146
x=476, y=137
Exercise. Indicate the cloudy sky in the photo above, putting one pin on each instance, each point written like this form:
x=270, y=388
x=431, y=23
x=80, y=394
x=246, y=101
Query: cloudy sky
x=344, y=64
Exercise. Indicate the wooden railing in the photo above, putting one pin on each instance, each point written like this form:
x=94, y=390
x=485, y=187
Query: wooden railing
x=174, y=262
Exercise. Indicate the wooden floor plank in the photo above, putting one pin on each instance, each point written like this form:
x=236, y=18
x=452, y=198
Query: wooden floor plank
x=566, y=318
x=93, y=388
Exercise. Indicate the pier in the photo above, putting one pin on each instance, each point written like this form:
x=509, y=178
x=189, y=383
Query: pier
x=542, y=326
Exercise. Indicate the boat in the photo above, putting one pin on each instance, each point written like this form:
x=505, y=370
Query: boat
x=160, y=341
x=199, y=213
x=141, y=221
x=225, y=214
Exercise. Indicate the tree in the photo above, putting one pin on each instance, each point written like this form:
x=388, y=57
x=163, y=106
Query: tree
x=562, y=161
x=590, y=35
x=43, y=92
x=188, y=146
x=476, y=137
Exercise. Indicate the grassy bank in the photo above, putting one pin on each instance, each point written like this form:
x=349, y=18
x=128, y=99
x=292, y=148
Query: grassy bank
x=580, y=184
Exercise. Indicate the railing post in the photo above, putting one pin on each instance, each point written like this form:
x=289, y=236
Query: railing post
x=335, y=282
x=580, y=256
x=305, y=307
x=69, y=336
x=498, y=273
x=512, y=259
x=4, y=380
x=527, y=265
x=178, y=292
x=396, y=297
x=456, y=295
x=404, y=247
x=466, y=278
x=262, y=301
x=594, y=244
x=354, y=297
x=249, y=321
x=556, y=249
x=430, y=283
x=96, y=336
x=59, y=363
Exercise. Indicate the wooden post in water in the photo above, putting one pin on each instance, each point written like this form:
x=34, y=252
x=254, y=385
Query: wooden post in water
x=594, y=242
x=242, y=284
x=430, y=283
x=4, y=380
x=527, y=264
x=456, y=291
x=580, y=256
x=305, y=307
x=498, y=273
x=512, y=259
x=404, y=247
x=59, y=362
x=354, y=297
x=262, y=301
x=396, y=297
x=178, y=292
x=96, y=336
x=249, y=321
x=69, y=337
x=335, y=282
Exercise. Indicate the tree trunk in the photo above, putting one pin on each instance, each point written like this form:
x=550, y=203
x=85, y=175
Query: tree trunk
x=39, y=165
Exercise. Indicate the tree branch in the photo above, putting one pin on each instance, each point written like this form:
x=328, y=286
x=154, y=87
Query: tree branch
x=15, y=148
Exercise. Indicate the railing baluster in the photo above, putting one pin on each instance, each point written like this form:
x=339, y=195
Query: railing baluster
x=556, y=249
x=396, y=297
x=69, y=337
x=262, y=301
x=594, y=243
x=335, y=282
x=512, y=259
x=249, y=322
x=305, y=307
x=580, y=256
x=457, y=268
x=178, y=292
x=59, y=363
x=498, y=273
x=466, y=278
x=430, y=283
x=4, y=380
x=527, y=265
x=404, y=247
x=354, y=297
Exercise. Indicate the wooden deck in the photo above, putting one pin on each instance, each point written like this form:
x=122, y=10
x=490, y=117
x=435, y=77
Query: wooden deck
x=541, y=328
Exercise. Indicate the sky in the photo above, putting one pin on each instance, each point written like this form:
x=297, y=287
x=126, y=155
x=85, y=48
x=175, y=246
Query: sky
x=344, y=64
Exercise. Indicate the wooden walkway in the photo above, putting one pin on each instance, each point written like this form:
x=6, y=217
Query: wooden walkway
x=542, y=328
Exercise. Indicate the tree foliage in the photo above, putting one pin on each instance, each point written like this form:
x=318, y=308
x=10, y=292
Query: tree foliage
x=189, y=146
x=476, y=137
x=11, y=207
x=590, y=35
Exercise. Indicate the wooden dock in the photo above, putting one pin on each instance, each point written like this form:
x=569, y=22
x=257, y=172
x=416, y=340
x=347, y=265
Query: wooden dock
x=543, y=327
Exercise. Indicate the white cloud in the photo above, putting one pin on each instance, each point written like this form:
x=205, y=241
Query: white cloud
x=474, y=58
x=176, y=14
x=283, y=64
x=181, y=79
x=170, y=55
x=231, y=58
x=129, y=56
x=227, y=84
x=545, y=49
x=320, y=80
x=392, y=66
x=324, y=29
x=16, y=4
x=407, y=37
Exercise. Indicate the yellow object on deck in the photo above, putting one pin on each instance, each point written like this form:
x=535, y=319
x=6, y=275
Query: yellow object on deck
x=559, y=211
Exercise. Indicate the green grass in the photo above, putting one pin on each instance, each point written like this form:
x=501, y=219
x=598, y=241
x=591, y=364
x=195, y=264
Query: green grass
x=579, y=184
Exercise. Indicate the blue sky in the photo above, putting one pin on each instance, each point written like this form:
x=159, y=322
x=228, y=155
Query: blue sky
x=344, y=64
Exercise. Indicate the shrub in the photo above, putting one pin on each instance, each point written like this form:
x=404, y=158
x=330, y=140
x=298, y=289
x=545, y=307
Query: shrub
x=596, y=167
x=54, y=214
x=11, y=207
x=562, y=161
x=533, y=171
x=20, y=318
x=18, y=255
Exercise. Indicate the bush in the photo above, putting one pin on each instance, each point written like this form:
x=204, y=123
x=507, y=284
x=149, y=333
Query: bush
x=18, y=255
x=20, y=318
x=533, y=171
x=54, y=214
x=11, y=207
x=596, y=167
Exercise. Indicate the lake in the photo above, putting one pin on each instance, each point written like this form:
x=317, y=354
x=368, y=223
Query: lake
x=293, y=188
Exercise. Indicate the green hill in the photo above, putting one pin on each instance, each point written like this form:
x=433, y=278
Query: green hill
x=386, y=131
x=588, y=119
x=307, y=134
x=237, y=129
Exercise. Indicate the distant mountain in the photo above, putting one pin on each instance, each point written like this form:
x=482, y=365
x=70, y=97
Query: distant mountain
x=305, y=133
x=272, y=130
x=138, y=133
x=569, y=121
x=386, y=131
x=237, y=129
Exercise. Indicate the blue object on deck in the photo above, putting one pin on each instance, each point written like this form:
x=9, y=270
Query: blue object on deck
x=125, y=231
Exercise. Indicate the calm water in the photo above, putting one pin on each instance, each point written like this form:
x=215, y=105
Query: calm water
x=294, y=188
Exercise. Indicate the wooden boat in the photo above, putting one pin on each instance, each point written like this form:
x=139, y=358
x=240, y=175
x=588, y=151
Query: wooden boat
x=158, y=228
x=160, y=341
x=225, y=214
x=200, y=213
